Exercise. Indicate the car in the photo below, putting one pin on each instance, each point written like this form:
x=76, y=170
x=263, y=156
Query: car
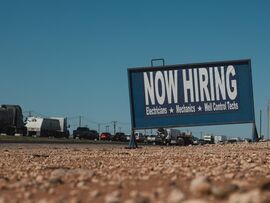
x=151, y=139
x=105, y=136
x=139, y=137
x=85, y=133
x=119, y=136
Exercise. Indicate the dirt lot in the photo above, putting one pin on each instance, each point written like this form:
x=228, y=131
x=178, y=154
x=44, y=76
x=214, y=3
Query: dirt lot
x=110, y=173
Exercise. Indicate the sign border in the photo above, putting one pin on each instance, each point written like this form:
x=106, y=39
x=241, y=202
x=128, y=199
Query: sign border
x=191, y=65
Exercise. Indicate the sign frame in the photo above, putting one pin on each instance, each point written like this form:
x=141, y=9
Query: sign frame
x=180, y=66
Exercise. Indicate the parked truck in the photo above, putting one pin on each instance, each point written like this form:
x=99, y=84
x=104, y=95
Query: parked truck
x=85, y=133
x=220, y=139
x=173, y=137
x=11, y=120
x=47, y=127
x=209, y=139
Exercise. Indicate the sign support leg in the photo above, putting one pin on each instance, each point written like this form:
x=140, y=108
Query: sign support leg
x=255, y=137
x=132, y=143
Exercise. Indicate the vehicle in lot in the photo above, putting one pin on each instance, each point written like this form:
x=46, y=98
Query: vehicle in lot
x=169, y=136
x=119, y=136
x=234, y=140
x=209, y=139
x=11, y=120
x=152, y=139
x=197, y=141
x=47, y=127
x=105, y=136
x=220, y=139
x=173, y=137
x=85, y=133
x=139, y=137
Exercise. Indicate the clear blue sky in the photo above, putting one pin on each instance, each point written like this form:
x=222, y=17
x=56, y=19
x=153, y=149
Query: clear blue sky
x=70, y=58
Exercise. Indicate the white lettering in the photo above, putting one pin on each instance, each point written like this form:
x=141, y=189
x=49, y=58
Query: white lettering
x=149, y=89
x=188, y=85
x=171, y=86
x=203, y=77
x=160, y=95
x=231, y=93
x=220, y=83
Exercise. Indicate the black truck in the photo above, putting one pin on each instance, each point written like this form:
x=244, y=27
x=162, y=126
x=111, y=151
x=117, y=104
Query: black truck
x=11, y=120
x=85, y=133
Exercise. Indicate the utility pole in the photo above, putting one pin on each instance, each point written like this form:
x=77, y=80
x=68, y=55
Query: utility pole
x=268, y=117
x=119, y=128
x=107, y=128
x=99, y=128
x=114, y=126
x=80, y=121
x=260, y=123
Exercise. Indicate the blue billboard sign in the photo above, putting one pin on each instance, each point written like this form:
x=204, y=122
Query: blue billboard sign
x=191, y=94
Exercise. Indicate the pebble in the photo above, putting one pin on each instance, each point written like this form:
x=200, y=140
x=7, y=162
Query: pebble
x=200, y=186
x=51, y=191
x=223, y=191
x=95, y=193
x=248, y=197
x=3, y=200
x=112, y=199
x=195, y=201
x=175, y=196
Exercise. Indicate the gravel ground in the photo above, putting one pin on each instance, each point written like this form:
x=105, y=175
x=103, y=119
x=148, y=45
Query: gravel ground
x=235, y=173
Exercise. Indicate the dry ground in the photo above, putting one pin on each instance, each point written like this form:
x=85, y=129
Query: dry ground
x=110, y=173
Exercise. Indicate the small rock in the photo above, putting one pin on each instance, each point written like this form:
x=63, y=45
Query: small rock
x=74, y=200
x=134, y=193
x=175, y=196
x=143, y=199
x=3, y=200
x=265, y=186
x=248, y=197
x=200, y=186
x=81, y=184
x=58, y=173
x=229, y=175
x=112, y=199
x=39, y=178
x=129, y=201
x=51, y=191
x=42, y=201
x=95, y=194
x=223, y=191
x=27, y=195
x=159, y=193
x=74, y=193
x=194, y=201
x=55, y=181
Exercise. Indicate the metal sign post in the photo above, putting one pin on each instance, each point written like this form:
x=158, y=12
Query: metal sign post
x=132, y=142
x=255, y=137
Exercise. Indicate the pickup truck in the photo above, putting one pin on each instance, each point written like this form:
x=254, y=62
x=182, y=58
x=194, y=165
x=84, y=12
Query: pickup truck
x=85, y=133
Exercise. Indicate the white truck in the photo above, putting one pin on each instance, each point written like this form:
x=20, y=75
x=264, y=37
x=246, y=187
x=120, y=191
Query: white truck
x=169, y=137
x=47, y=127
x=209, y=139
x=220, y=139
